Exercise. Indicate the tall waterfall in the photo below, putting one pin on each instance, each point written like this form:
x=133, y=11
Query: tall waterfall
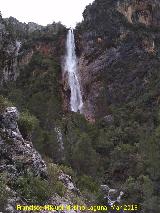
x=76, y=102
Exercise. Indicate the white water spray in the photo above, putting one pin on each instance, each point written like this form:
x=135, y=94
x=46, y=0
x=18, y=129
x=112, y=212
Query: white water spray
x=76, y=102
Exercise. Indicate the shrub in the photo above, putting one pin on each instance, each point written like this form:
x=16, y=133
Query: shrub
x=56, y=186
x=59, y=188
x=78, y=201
x=89, y=187
x=85, y=160
x=27, y=123
x=38, y=191
x=4, y=193
x=33, y=189
x=4, y=103
x=87, y=182
x=132, y=187
x=68, y=170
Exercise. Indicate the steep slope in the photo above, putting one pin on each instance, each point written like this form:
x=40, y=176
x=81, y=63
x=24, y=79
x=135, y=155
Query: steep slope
x=118, y=47
x=31, y=79
x=8, y=54
x=25, y=179
x=31, y=75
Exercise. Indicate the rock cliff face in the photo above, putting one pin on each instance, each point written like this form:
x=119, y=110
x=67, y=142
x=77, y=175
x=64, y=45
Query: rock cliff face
x=19, y=41
x=15, y=150
x=141, y=11
x=8, y=54
x=118, y=47
x=18, y=158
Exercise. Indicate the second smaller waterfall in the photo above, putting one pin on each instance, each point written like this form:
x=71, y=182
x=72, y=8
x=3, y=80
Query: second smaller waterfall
x=71, y=67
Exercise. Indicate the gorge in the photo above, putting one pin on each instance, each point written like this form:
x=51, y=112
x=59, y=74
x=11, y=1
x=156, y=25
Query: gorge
x=79, y=109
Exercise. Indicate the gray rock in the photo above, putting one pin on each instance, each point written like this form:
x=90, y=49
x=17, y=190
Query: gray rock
x=112, y=195
x=15, y=150
x=10, y=117
x=108, y=119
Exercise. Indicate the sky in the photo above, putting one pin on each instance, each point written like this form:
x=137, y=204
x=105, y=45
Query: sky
x=44, y=12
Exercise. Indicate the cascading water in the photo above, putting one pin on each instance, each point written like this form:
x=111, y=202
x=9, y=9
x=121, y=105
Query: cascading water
x=76, y=102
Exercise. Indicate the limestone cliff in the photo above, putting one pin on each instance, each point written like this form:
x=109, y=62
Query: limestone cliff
x=8, y=54
x=118, y=46
x=19, y=41
x=140, y=11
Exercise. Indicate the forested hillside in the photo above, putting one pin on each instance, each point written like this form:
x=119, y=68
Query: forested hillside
x=114, y=141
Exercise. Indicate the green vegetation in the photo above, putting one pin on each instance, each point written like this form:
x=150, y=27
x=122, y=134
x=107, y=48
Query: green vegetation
x=4, y=193
x=37, y=190
x=36, y=93
x=124, y=154
x=27, y=123
x=4, y=103
x=55, y=184
x=87, y=183
x=33, y=189
x=68, y=170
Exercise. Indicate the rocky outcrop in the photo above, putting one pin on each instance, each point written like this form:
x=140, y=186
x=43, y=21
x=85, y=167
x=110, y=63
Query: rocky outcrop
x=11, y=70
x=14, y=150
x=141, y=11
x=19, y=41
x=8, y=52
x=18, y=158
x=116, y=40
x=112, y=195
x=33, y=27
